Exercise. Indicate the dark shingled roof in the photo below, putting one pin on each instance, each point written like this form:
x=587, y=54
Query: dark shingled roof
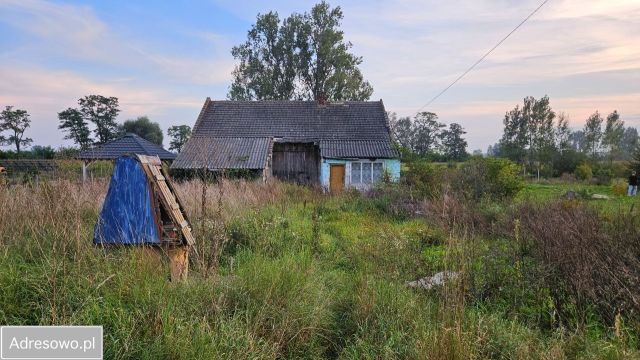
x=357, y=149
x=224, y=153
x=127, y=144
x=230, y=130
x=295, y=120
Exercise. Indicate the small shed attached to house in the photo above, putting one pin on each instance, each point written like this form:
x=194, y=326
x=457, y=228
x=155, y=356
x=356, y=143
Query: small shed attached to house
x=333, y=145
x=124, y=145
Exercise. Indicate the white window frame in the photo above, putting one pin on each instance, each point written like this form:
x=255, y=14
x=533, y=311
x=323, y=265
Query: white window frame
x=360, y=182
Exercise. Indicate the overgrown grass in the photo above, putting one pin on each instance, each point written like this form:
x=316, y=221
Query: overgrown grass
x=297, y=274
x=542, y=192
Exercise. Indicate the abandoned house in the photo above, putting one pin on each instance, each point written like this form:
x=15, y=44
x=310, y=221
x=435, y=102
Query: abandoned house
x=334, y=145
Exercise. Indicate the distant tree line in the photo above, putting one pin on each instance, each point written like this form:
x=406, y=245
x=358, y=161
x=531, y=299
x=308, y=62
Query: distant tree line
x=542, y=140
x=423, y=136
x=92, y=123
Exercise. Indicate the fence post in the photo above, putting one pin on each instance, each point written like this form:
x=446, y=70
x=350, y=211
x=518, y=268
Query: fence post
x=84, y=171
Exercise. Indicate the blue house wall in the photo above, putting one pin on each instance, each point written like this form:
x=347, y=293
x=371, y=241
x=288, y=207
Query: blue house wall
x=390, y=166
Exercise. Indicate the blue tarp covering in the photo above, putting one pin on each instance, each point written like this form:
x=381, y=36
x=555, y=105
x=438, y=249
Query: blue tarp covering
x=127, y=216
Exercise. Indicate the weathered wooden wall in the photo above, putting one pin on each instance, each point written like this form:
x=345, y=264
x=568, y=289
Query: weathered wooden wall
x=296, y=162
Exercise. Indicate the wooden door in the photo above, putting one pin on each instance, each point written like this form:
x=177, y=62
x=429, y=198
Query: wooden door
x=336, y=178
x=296, y=162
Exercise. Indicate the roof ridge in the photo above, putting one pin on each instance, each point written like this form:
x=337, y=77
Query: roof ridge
x=352, y=140
x=205, y=106
x=137, y=139
x=297, y=101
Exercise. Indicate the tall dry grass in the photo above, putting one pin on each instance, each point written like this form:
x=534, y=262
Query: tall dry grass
x=229, y=197
x=31, y=214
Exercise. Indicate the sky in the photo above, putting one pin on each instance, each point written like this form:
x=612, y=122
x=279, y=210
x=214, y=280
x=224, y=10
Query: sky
x=163, y=58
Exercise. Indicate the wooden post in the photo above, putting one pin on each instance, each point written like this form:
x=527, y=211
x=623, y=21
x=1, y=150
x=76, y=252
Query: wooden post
x=178, y=257
x=84, y=171
x=178, y=262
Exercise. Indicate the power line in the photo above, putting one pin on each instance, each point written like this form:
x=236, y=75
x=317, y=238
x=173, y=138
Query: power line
x=484, y=56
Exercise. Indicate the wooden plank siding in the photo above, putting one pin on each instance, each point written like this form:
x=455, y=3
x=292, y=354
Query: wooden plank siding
x=296, y=162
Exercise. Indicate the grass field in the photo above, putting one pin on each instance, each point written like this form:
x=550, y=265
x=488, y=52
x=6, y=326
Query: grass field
x=544, y=192
x=301, y=275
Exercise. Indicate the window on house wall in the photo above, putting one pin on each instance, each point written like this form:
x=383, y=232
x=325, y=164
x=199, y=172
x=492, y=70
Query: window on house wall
x=377, y=172
x=366, y=172
x=356, y=173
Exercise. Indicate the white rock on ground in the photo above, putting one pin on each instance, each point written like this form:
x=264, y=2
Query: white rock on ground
x=430, y=282
x=600, y=197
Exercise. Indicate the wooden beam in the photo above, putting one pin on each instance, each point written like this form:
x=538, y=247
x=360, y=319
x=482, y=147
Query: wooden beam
x=178, y=262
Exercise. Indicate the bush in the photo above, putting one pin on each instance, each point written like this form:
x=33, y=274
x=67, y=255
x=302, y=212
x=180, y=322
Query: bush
x=422, y=178
x=492, y=178
x=567, y=162
x=603, y=175
x=67, y=153
x=619, y=187
x=583, y=172
x=620, y=169
x=567, y=178
x=593, y=266
x=391, y=199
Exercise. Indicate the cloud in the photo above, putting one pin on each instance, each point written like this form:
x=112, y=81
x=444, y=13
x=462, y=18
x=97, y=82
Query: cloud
x=44, y=93
x=72, y=30
x=76, y=32
x=192, y=70
x=70, y=52
x=410, y=50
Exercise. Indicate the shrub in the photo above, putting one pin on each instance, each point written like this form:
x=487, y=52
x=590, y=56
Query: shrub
x=391, y=199
x=619, y=169
x=603, y=175
x=592, y=265
x=451, y=212
x=567, y=178
x=583, y=172
x=619, y=187
x=567, y=161
x=422, y=178
x=492, y=178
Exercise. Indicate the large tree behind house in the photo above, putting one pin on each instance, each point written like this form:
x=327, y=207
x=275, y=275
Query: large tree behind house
x=303, y=57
